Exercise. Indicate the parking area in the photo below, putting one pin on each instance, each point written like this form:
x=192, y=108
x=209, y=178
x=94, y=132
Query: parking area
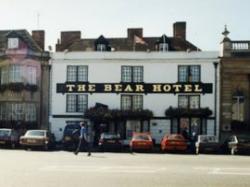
x=63, y=168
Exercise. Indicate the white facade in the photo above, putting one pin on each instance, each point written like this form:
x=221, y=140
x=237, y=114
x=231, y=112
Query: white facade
x=105, y=67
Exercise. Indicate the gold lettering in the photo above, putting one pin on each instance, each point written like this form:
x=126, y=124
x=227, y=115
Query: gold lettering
x=70, y=87
x=156, y=88
x=81, y=88
x=197, y=88
x=139, y=88
x=128, y=88
x=177, y=87
x=107, y=88
x=188, y=88
x=166, y=88
x=118, y=87
x=91, y=87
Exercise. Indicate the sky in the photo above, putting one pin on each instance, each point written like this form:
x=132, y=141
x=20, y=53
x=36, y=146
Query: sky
x=205, y=18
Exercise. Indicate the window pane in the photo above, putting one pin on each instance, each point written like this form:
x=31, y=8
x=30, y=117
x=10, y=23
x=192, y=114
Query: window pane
x=126, y=74
x=194, y=102
x=138, y=74
x=101, y=47
x=183, y=101
x=126, y=103
x=163, y=47
x=4, y=75
x=195, y=73
x=183, y=73
x=15, y=74
x=83, y=73
x=82, y=103
x=31, y=75
x=71, y=103
x=71, y=73
x=30, y=112
x=137, y=102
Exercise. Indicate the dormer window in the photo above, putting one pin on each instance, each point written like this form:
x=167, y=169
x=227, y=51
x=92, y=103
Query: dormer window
x=13, y=43
x=163, y=47
x=101, y=47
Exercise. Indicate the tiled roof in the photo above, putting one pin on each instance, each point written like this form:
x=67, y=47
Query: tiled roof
x=22, y=34
x=125, y=44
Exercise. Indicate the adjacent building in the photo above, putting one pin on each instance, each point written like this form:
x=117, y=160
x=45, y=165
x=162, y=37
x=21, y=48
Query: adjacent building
x=235, y=84
x=24, y=80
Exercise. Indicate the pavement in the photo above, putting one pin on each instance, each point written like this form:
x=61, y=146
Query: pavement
x=21, y=168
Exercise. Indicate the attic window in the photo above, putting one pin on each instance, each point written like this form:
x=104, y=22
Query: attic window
x=101, y=47
x=13, y=43
x=163, y=47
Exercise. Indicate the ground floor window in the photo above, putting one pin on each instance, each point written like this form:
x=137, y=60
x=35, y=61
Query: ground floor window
x=11, y=111
x=135, y=126
x=189, y=126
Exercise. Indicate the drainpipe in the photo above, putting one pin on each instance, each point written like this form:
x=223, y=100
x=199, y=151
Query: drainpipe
x=215, y=96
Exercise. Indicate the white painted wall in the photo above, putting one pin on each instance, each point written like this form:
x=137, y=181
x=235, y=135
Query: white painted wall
x=106, y=68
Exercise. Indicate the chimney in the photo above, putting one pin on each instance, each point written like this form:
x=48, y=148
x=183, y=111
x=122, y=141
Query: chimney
x=38, y=37
x=135, y=31
x=180, y=30
x=68, y=37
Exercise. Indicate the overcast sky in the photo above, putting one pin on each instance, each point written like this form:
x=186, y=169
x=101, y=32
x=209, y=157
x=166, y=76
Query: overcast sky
x=205, y=18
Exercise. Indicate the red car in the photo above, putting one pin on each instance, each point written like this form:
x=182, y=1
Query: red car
x=174, y=142
x=141, y=141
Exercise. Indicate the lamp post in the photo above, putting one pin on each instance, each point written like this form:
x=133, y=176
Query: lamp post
x=215, y=96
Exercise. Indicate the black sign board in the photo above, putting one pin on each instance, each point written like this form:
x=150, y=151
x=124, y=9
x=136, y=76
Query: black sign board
x=145, y=88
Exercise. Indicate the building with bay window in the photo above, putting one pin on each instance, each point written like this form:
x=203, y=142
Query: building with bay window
x=125, y=92
x=24, y=80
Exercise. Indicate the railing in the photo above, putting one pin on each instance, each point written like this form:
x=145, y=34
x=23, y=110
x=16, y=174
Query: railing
x=241, y=46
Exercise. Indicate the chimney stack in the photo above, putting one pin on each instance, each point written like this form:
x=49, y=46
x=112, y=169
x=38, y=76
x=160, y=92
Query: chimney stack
x=180, y=30
x=135, y=31
x=39, y=37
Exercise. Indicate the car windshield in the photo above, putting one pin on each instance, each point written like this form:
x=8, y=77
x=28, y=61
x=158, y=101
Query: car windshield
x=207, y=139
x=141, y=137
x=5, y=132
x=110, y=136
x=35, y=133
x=243, y=139
x=175, y=137
x=70, y=128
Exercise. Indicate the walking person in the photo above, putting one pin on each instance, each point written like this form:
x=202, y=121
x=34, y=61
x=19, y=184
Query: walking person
x=83, y=139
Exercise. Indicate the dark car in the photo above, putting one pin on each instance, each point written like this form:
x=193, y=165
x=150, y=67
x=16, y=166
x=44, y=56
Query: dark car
x=110, y=142
x=237, y=144
x=9, y=138
x=207, y=143
x=38, y=138
x=71, y=135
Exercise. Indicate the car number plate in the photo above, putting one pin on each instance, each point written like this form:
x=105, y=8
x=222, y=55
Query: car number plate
x=31, y=141
x=111, y=141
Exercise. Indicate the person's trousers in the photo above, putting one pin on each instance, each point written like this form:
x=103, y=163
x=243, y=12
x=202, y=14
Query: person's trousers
x=83, y=142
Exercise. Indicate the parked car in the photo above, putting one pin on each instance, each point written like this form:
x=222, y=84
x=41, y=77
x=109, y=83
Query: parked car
x=237, y=144
x=141, y=141
x=207, y=143
x=9, y=138
x=38, y=138
x=110, y=142
x=174, y=142
x=71, y=135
